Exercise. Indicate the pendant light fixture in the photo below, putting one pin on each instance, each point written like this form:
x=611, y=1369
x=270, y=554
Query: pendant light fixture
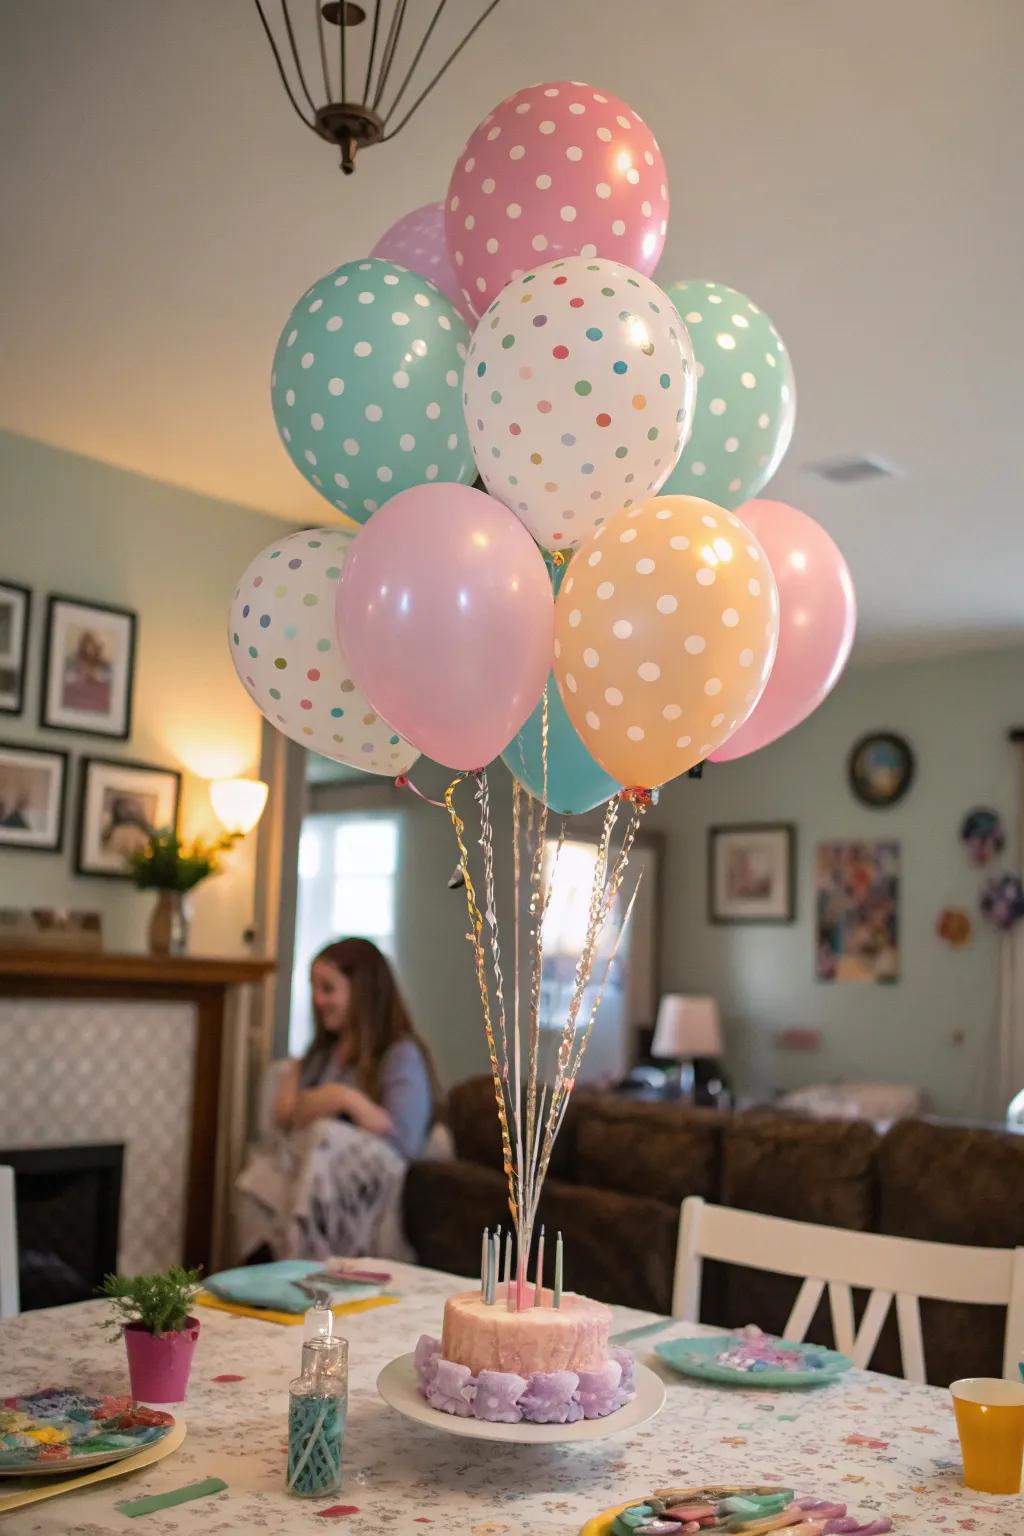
x=355, y=64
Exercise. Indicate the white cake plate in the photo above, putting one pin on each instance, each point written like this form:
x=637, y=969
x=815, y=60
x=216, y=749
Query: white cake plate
x=399, y=1387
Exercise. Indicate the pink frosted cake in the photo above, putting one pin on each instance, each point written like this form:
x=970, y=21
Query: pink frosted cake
x=551, y=1365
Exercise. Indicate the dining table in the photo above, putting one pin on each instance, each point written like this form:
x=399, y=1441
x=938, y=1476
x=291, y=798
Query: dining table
x=880, y=1445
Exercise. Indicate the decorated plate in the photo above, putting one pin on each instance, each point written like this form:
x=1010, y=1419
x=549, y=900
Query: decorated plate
x=702, y=1357
x=61, y=1430
x=398, y=1386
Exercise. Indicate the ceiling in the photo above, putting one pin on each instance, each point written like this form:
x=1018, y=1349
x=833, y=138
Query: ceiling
x=854, y=167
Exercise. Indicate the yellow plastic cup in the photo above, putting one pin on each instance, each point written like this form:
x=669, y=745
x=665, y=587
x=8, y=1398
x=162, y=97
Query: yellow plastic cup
x=990, y=1423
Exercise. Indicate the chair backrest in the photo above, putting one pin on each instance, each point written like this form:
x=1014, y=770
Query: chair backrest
x=899, y=1269
x=9, y=1298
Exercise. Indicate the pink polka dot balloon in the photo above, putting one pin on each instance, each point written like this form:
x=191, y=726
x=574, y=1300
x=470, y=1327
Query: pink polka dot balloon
x=556, y=170
x=416, y=241
x=579, y=393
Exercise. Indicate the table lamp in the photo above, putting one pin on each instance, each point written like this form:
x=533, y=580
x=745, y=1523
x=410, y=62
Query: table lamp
x=686, y=1028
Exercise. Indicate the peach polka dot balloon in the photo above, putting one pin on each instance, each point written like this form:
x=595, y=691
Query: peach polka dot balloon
x=578, y=391
x=558, y=169
x=665, y=633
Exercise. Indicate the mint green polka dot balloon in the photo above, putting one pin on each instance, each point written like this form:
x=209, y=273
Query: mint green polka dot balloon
x=746, y=398
x=366, y=386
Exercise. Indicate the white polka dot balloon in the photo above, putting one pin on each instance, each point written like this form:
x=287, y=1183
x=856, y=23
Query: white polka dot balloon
x=579, y=391
x=558, y=169
x=666, y=628
x=746, y=397
x=365, y=386
x=285, y=651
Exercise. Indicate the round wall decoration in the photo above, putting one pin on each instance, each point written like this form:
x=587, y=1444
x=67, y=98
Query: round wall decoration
x=880, y=768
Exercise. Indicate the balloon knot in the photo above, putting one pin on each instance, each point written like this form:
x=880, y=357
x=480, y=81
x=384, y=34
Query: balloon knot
x=639, y=796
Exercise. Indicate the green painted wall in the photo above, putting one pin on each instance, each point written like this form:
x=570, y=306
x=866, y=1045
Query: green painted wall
x=955, y=712
x=72, y=525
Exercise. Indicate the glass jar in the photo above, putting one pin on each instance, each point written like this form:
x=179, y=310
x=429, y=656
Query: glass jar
x=317, y=1409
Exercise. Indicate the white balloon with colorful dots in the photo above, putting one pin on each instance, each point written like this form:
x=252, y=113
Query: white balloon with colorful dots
x=285, y=651
x=579, y=394
x=365, y=386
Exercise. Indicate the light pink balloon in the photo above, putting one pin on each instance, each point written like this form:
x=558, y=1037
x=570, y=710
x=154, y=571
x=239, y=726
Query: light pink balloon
x=416, y=241
x=448, y=621
x=558, y=169
x=818, y=620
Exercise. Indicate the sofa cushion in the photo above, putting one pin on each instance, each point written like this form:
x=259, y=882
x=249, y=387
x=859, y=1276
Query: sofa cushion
x=660, y=1151
x=473, y=1120
x=955, y=1184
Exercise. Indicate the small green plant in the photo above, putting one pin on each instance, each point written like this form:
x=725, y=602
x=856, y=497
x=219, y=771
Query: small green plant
x=168, y=864
x=159, y=1302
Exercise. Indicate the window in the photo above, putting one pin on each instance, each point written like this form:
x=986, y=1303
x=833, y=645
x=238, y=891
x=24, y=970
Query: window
x=347, y=876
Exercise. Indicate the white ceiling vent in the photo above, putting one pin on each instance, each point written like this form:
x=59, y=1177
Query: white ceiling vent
x=852, y=471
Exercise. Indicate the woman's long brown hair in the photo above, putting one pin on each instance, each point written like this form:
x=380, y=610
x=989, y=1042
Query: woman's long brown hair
x=377, y=1018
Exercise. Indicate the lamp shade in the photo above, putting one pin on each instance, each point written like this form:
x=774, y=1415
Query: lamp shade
x=687, y=1027
x=238, y=803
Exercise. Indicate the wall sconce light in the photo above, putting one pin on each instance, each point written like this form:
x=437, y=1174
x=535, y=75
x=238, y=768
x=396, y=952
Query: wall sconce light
x=238, y=803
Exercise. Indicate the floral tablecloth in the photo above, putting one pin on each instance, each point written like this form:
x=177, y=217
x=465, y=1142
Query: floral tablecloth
x=878, y=1444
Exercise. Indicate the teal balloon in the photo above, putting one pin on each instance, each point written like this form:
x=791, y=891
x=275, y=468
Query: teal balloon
x=367, y=386
x=576, y=783
x=746, y=397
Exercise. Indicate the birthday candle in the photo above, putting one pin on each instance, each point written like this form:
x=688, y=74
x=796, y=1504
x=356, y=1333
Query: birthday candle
x=557, y=1299
x=492, y=1284
x=508, y=1269
x=485, y=1253
x=520, y=1281
x=538, y=1295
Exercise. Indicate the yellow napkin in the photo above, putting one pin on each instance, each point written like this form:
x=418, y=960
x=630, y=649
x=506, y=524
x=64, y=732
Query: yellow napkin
x=289, y=1319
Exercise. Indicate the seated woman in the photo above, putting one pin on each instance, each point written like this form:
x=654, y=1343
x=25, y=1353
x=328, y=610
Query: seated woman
x=348, y=1116
x=366, y=1064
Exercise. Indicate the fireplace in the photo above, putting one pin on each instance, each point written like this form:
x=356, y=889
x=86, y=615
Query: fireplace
x=68, y=1202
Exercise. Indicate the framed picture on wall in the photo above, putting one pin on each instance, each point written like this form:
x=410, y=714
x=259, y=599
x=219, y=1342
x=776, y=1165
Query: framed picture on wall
x=88, y=667
x=857, y=898
x=751, y=873
x=32, y=792
x=119, y=805
x=15, y=607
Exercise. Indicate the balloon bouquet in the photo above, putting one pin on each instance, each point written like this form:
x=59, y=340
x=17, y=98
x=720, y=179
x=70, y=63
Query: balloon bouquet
x=615, y=608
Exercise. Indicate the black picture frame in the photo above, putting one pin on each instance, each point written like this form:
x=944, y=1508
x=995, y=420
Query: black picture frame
x=48, y=718
x=880, y=795
x=784, y=834
x=86, y=863
x=62, y=760
x=12, y=700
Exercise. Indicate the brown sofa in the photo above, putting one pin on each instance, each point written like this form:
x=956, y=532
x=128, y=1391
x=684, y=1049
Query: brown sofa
x=620, y=1170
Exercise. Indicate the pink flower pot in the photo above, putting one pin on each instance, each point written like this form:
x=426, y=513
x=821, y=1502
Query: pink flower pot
x=158, y=1367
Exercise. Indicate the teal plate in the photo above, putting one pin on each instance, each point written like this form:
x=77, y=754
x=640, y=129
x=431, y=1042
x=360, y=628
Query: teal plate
x=695, y=1357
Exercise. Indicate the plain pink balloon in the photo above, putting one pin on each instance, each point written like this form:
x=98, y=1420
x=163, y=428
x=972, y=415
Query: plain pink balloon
x=818, y=620
x=446, y=615
x=416, y=241
x=558, y=169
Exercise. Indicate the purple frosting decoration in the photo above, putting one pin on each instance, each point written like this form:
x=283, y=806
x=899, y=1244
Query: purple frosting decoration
x=502, y=1397
x=550, y=1398
x=451, y=1389
x=599, y=1390
x=497, y=1397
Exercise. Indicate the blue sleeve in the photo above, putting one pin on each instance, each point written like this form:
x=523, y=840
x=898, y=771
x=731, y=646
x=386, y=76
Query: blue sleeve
x=405, y=1094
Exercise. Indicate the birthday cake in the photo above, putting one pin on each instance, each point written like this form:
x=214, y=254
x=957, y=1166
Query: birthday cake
x=547, y=1364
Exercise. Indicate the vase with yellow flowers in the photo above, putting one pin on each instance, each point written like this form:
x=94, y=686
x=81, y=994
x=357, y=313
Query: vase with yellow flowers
x=174, y=868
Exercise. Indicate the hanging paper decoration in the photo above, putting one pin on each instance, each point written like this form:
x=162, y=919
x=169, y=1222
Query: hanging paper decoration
x=558, y=169
x=416, y=241
x=746, y=397
x=982, y=834
x=953, y=927
x=665, y=634
x=283, y=645
x=365, y=386
x=1002, y=901
x=579, y=394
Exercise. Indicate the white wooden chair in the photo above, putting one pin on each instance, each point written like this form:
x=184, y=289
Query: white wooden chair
x=891, y=1268
x=9, y=1300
